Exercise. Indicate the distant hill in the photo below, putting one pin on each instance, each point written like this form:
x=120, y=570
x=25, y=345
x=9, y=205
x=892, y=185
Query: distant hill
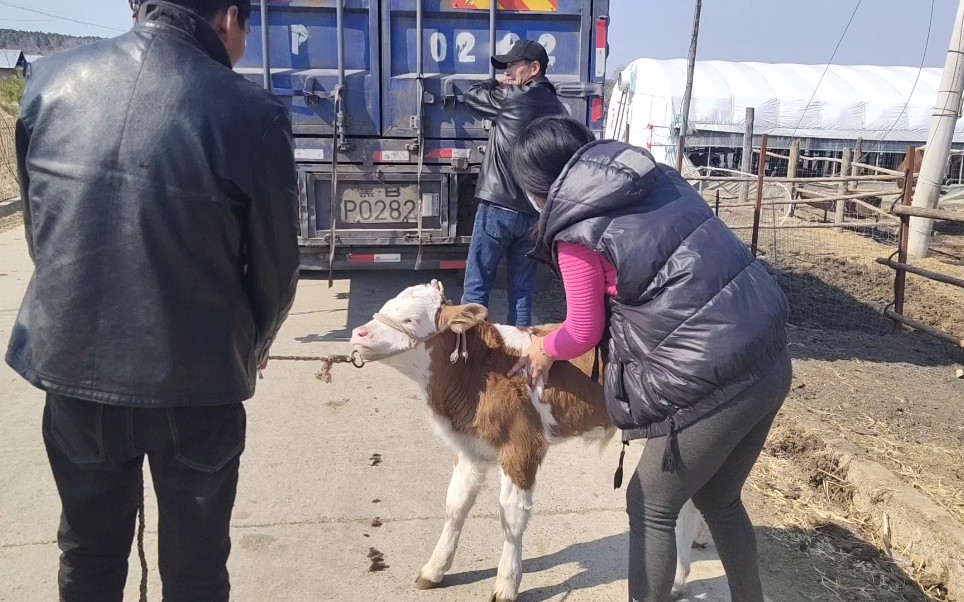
x=38, y=42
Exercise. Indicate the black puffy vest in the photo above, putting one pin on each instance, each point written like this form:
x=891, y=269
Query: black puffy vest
x=696, y=319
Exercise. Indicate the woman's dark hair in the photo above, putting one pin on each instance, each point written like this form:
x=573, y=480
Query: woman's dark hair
x=544, y=149
x=207, y=9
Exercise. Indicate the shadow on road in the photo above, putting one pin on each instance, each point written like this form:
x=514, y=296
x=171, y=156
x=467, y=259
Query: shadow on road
x=601, y=562
x=794, y=564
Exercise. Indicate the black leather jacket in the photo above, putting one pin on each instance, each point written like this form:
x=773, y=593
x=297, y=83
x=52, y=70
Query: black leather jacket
x=696, y=318
x=511, y=109
x=161, y=212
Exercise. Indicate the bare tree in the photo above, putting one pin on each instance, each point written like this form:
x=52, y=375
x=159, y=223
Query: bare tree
x=610, y=85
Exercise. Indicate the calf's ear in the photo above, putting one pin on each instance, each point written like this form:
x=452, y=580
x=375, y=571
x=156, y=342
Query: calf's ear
x=460, y=318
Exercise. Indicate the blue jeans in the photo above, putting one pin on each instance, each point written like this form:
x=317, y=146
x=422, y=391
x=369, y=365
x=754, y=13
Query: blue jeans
x=499, y=232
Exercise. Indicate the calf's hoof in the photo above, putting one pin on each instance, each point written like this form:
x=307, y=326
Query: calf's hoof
x=423, y=583
x=505, y=590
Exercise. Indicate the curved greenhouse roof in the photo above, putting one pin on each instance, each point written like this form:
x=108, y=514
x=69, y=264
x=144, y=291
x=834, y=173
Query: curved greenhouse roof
x=873, y=103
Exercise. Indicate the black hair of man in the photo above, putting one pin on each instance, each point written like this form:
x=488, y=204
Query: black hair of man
x=206, y=9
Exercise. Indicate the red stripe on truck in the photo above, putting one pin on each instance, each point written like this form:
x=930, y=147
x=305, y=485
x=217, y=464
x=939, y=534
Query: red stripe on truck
x=375, y=258
x=602, y=38
x=597, y=109
x=602, y=31
x=449, y=153
x=519, y=5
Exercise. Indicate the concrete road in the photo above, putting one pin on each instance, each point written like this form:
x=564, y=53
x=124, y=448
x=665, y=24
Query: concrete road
x=309, y=497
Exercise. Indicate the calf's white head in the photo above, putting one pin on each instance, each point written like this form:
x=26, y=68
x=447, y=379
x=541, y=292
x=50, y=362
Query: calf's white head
x=414, y=316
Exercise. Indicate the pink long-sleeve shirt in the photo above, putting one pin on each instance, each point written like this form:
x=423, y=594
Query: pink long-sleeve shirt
x=588, y=279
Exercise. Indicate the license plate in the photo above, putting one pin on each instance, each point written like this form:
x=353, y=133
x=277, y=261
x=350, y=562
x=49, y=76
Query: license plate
x=385, y=204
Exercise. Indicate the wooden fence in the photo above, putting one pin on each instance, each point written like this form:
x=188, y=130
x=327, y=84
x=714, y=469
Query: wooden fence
x=904, y=211
x=862, y=199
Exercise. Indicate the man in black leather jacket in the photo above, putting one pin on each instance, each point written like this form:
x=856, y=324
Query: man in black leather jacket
x=505, y=218
x=160, y=205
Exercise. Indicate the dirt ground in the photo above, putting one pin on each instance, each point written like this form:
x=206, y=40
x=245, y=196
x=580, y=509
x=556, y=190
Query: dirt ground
x=833, y=281
x=895, y=398
x=948, y=245
x=807, y=522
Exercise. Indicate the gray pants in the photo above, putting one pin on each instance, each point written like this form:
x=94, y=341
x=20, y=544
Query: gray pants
x=717, y=454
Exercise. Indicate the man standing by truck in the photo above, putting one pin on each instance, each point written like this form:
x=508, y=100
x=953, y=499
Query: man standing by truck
x=161, y=211
x=505, y=218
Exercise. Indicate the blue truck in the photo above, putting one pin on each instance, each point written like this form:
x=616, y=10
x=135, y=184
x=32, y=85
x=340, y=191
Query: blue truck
x=387, y=152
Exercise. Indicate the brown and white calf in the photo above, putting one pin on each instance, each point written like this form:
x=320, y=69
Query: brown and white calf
x=490, y=419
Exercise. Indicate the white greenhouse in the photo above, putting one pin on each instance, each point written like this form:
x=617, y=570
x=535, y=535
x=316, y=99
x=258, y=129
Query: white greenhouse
x=885, y=108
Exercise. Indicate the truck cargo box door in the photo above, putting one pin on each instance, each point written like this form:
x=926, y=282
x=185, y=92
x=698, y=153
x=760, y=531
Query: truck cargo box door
x=456, y=51
x=303, y=52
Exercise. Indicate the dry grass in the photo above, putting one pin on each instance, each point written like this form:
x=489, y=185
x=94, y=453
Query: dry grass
x=10, y=222
x=827, y=253
x=9, y=186
x=934, y=469
x=916, y=462
x=806, y=487
x=924, y=297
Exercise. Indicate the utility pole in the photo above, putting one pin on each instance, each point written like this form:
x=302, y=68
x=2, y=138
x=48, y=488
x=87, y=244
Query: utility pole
x=688, y=95
x=946, y=113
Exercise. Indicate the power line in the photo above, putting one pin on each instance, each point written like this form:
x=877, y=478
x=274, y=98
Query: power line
x=827, y=67
x=58, y=16
x=58, y=13
x=910, y=95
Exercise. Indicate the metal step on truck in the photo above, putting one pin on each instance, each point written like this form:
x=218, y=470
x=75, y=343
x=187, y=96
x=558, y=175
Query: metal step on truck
x=387, y=152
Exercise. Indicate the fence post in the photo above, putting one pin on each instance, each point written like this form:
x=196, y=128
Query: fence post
x=746, y=163
x=792, y=166
x=844, y=187
x=761, y=173
x=900, y=280
x=792, y=172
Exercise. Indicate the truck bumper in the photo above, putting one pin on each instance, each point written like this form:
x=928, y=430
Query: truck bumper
x=448, y=257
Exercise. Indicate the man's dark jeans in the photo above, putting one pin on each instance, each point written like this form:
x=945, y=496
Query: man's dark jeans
x=502, y=233
x=96, y=452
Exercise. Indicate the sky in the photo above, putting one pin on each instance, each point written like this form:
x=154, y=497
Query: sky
x=884, y=32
